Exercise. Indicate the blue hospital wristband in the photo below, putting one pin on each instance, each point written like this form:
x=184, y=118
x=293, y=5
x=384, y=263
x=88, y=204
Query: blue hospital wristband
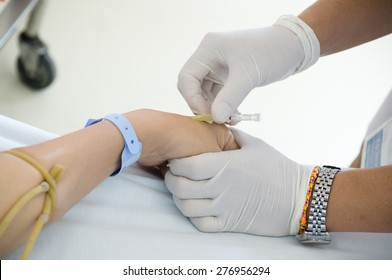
x=132, y=145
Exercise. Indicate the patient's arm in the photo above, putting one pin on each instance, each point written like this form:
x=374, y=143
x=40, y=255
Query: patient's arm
x=91, y=154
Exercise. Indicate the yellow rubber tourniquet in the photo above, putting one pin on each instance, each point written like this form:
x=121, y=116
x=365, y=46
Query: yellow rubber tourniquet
x=48, y=186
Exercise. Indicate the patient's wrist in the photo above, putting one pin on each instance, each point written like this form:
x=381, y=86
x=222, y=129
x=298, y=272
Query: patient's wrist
x=167, y=136
x=148, y=128
x=132, y=147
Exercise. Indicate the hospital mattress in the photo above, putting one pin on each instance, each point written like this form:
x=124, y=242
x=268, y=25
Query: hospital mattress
x=132, y=216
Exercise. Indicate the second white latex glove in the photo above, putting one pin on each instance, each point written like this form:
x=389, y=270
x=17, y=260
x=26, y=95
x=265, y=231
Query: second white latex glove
x=253, y=190
x=228, y=65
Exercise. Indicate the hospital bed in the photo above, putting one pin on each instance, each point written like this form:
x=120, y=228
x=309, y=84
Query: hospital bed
x=132, y=216
x=35, y=67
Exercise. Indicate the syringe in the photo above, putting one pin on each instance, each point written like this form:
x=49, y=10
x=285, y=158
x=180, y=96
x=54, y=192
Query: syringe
x=238, y=117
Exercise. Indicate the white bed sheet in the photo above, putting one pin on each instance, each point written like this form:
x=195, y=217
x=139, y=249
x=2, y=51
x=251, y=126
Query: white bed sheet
x=132, y=216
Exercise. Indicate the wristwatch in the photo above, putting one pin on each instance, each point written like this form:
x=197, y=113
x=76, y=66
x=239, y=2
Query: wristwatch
x=316, y=231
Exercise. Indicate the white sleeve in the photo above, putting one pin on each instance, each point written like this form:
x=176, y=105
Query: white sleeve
x=382, y=115
x=377, y=147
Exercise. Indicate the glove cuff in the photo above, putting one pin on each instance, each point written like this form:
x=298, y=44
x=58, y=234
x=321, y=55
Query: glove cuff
x=307, y=37
x=304, y=175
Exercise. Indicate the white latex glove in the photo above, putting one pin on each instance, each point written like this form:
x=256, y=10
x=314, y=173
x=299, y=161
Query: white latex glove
x=228, y=65
x=253, y=190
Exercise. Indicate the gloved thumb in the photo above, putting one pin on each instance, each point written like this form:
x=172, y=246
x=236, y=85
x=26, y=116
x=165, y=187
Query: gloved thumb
x=190, y=87
x=230, y=97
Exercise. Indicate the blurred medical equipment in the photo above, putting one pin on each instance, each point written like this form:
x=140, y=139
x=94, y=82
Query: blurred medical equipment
x=35, y=67
x=377, y=149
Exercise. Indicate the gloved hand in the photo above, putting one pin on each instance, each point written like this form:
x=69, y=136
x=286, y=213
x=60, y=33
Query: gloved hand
x=253, y=190
x=228, y=65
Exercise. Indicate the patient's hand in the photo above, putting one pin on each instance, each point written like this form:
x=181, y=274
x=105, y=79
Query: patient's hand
x=167, y=136
x=90, y=155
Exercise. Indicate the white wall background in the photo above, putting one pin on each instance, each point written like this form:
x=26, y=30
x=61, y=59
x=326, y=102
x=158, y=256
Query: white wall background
x=120, y=55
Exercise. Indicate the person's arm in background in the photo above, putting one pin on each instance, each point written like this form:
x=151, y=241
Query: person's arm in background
x=356, y=163
x=343, y=24
x=90, y=155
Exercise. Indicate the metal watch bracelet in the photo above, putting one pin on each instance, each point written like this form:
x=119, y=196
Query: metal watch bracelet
x=316, y=231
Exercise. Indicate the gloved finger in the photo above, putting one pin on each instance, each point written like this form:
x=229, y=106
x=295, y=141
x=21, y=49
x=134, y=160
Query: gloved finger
x=201, y=167
x=194, y=207
x=230, y=97
x=206, y=87
x=189, y=84
x=216, y=88
x=207, y=224
x=210, y=90
x=184, y=188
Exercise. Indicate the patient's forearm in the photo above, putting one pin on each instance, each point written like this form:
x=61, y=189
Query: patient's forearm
x=90, y=155
x=86, y=164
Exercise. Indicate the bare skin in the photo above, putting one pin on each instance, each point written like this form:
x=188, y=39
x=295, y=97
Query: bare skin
x=361, y=201
x=343, y=24
x=92, y=154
